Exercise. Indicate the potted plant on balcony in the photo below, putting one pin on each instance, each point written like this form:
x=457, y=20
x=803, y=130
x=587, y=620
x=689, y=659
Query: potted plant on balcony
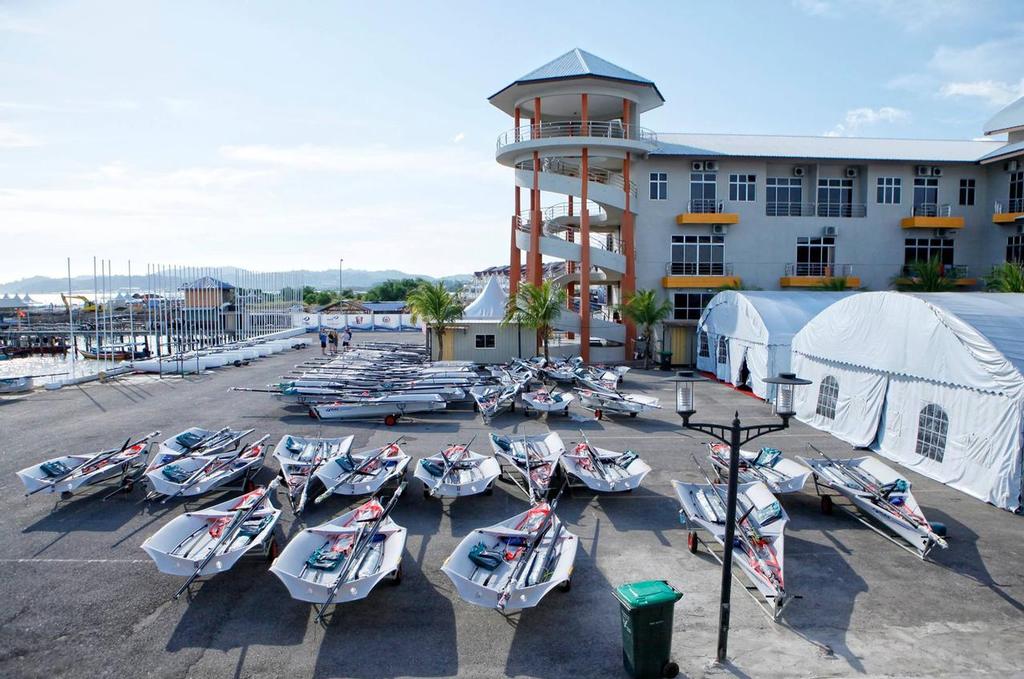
x=1006, y=277
x=929, y=276
x=645, y=310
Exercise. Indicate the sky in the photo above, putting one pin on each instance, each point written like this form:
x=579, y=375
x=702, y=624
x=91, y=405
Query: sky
x=287, y=135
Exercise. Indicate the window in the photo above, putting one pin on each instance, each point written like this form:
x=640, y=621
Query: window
x=698, y=256
x=485, y=341
x=723, y=350
x=1015, y=249
x=932, y=425
x=815, y=255
x=659, y=186
x=828, y=394
x=926, y=197
x=925, y=250
x=702, y=345
x=967, y=192
x=741, y=187
x=688, y=306
x=703, y=192
x=889, y=190
x=785, y=196
x=1016, y=192
x=835, y=197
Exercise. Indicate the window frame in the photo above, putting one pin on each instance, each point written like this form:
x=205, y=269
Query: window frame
x=697, y=255
x=485, y=337
x=722, y=349
x=658, y=185
x=687, y=311
x=931, y=443
x=820, y=266
x=827, y=400
x=774, y=186
x=889, y=190
x=742, y=187
x=967, y=191
x=1015, y=248
x=703, y=348
x=932, y=247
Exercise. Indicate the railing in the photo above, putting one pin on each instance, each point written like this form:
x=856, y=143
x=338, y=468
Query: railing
x=789, y=209
x=1012, y=205
x=798, y=269
x=576, y=128
x=553, y=212
x=841, y=209
x=698, y=269
x=932, y=210
x=954, y=271
x=705, y=206
x=601, y=241
x=566, y=169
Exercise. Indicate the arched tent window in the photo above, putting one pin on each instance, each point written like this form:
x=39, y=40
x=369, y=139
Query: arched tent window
x=828, y=394
x=723, y=350
x=702, y=345
x=932, y=426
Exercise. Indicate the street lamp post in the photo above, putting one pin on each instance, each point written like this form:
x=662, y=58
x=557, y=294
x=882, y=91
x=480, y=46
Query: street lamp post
x=734, y=436
x=341, y=263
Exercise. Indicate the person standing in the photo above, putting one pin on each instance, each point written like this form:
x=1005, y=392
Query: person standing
x=323, y=340
x=332, y=337
x=346, y=339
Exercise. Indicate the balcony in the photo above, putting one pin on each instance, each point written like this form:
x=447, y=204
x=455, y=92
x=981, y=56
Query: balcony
x=958, y=274
x=932, y=216
x=575, y=133
x=808, y=275
x=789, y=209
x=1009, y=212
x=707, y=211
x=699, y=275
x=841, y=210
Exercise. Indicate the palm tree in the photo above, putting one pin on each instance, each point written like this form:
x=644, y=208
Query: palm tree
x=645, y=310
x=835, y=284
x=537, y=307
x=925, y=277
x=1006, y=277
x=437, y=307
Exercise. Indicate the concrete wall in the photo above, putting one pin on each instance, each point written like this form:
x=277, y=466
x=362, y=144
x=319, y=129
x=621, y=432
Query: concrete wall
x=509, y=342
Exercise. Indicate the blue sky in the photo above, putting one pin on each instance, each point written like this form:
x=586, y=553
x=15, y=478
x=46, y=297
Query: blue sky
x=280, y=135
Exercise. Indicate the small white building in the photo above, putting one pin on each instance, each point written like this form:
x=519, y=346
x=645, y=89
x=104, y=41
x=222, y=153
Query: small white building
x=479, y=335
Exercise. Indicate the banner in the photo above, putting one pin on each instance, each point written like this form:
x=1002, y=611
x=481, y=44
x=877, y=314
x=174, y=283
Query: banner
x=407, y=323
x=336, y=321
x=307, y=321
x=360, y=321
x=391, y=322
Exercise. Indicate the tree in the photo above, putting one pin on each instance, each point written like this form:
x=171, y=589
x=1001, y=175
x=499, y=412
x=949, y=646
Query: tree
x=437, y=307
x=926, y=276
x=645, y=310
x=537, y=307
x=323, y=298
x=1006, y=277
x=393, y=290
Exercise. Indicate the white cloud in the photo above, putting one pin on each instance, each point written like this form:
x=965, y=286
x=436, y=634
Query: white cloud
x=911, y=15
x=814, y=7
x=858, y=118
x=12, y=138
x=995, y=92
x=459, y=137
x=13, y=24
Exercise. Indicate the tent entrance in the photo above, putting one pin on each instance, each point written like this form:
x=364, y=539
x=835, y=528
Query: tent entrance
x=743, y=382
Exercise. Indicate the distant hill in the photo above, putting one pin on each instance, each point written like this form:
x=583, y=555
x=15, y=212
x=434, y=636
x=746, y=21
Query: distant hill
x=356, y=279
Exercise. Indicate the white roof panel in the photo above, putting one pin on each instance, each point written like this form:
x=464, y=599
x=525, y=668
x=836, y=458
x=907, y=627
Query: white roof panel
x=1010, y=118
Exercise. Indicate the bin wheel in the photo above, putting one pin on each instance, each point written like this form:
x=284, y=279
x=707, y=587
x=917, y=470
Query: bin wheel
x=390, y=420
x=670, y=670
x=598, y=414
x=826, y=505
x=565, y=585
x=692, y=543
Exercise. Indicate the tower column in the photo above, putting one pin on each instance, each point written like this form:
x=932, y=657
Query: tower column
x=515, y=262
x=628, y=286
x=534, y=270
x=570, y=268
x=584, y=246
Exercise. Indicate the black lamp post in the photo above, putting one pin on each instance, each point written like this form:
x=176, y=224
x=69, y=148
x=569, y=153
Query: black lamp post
x=735, y=436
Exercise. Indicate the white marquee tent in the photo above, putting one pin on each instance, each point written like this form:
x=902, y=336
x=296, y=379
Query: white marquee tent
x=744, y=336
x=933, y=381
x=489, y=304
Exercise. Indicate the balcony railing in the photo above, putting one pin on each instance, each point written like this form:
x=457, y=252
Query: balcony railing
x=798, y=269
x=601, y=241
x=932, y=210
x=612, y=129
x=789, y=209
x=840, y=210
x=1010, y=206
x=955, y=271
x=597, y=175
x=705, y=206
x=698, y=269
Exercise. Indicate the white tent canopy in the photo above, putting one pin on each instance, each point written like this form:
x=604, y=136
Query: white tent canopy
x=490, y=304
x=744, y=336
x=932, y=381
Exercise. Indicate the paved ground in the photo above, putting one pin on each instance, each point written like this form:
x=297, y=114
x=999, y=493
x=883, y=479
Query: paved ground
x=78, y=597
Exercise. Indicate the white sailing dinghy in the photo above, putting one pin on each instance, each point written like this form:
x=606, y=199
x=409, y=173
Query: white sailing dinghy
x=604, y=471
x=457, y=471
x=362, y=473
x=492, y=400
x=882, y=497
x=345, y=558
x=389, y=406
x=300, y=457
x=511, y=565
x=198, y=474
x=604, y=401
x=767, y=465
x=212, y=540
x=760, y=527
x=67, y=473
x=544, y=401
x=535, y=458
x=194, y=442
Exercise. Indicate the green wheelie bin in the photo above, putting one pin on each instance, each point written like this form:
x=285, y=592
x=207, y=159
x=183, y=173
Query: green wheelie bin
x=646, y=612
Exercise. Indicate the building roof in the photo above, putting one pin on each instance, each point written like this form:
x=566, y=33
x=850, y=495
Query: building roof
x=489, y=304
x=385, y=307
x=206, y=282
x=1003, y=152
x=1009, y=118
x=825, y=148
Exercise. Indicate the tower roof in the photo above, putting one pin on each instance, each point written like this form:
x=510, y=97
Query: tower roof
x=1009, y=118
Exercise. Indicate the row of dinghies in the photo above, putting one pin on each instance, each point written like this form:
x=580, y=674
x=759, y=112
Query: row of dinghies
x=933, y=381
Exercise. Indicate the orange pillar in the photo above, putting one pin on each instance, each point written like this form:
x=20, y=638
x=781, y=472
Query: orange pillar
x=584, y=248
x=628, y=286
x=570, y=268
x=514, y=262
x=534, y=268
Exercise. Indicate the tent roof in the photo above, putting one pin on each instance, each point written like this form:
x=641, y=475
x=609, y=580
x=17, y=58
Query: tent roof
x=964, y=339
x=489, y=304
x=765, y=317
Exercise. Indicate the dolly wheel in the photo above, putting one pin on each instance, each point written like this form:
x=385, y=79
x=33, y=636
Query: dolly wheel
x=390, y=420
x=426, y=493
x=826, y=505
x=489, y=490
x=633, y=414
x=565, y=585
x=312, y=414
x=598, y=414
x=396, y=576
x=692, y=543
x=250, y=486
x=670, y=670
x=65, y=495
x=273, y=550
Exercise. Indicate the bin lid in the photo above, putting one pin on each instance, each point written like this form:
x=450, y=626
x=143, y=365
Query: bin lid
x=647, y=593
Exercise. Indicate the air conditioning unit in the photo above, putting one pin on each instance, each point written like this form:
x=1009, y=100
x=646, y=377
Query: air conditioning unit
x=830, y=231
x=719, y=229
x=936, y=171
x=711, y=165
x=697, y=166
x=1011, y=166
x=923, y=171
x=852, y=172
x=798, y=171
x=943, y=233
